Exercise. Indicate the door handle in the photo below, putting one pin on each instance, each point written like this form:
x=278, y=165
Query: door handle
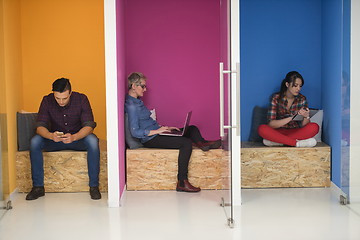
x=237, y=85
x=237, y=99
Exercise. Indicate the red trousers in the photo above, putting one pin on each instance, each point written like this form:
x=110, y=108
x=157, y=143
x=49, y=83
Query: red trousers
x=288, y=136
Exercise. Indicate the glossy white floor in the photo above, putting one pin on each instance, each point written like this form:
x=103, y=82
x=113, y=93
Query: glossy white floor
x=265, y=214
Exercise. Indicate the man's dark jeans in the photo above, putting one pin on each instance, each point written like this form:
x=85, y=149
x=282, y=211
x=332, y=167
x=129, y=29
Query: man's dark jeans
x=90, y=144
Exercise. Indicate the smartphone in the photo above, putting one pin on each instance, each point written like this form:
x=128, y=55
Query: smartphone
x=59, y=134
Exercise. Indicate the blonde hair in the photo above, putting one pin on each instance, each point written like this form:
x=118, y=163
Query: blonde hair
x=136, y=78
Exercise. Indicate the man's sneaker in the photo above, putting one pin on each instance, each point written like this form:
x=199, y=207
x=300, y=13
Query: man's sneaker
x=35, y=193
x=310, y=142
x=271, y=144
x=95, y=193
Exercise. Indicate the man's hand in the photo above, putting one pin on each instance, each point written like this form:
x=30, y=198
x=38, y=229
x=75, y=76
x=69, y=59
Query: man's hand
x=61, y=137
x=57, y=136
x=67, y=138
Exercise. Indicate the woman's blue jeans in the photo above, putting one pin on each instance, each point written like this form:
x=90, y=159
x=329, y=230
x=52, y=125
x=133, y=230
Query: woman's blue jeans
x=90, y=144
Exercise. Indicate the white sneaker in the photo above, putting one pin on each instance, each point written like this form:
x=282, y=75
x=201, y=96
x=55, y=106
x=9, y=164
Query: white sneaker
x=271, y=144
x=310, y=142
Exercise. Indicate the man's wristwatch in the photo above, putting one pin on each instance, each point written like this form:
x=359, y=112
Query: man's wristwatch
x=307, y=117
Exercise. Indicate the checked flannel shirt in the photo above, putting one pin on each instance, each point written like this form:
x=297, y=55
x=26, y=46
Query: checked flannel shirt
x=69, y=119
x=277, y=109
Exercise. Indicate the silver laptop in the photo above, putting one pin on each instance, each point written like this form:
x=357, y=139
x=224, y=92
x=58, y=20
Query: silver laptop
x=177, y=133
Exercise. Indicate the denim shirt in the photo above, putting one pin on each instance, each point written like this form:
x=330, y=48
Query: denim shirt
x=140, y=121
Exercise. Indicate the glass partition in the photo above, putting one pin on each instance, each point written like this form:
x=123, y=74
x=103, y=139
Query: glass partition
x=351, y=24
x=345, y=102
x=229, y=99
x=225, y=112
x=2, y=202
x=4, y=177
x=5, y=204
x=4, y=193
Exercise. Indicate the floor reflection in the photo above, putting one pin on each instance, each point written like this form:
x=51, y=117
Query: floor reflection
x=355, y=208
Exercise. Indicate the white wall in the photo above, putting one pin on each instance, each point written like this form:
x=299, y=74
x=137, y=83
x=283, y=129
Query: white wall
x=111, y=103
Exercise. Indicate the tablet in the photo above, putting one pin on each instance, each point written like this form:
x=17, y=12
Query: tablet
x=298, y=117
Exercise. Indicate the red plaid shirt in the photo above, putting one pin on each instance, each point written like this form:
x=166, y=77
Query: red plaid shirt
x=278, y=110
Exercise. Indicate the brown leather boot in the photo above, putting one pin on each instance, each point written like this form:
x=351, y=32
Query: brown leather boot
x=214, y=144
x=207, y=145
x=185, y=186
x=203, y=146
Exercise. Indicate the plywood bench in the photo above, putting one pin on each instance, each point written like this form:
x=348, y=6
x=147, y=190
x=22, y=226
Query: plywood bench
x=64, y=171
x=272, y=167
x=261, y=167
x=156, y=169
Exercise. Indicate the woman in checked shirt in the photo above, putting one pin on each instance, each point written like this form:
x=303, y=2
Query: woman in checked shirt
x=285, y=105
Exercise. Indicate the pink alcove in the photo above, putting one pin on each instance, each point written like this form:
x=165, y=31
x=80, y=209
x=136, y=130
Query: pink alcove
x=176, y=44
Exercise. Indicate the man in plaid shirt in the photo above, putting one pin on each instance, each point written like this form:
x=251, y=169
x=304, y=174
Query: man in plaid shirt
x=65, y=122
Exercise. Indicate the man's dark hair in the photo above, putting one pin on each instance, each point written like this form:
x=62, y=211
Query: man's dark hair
x=61, y=85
